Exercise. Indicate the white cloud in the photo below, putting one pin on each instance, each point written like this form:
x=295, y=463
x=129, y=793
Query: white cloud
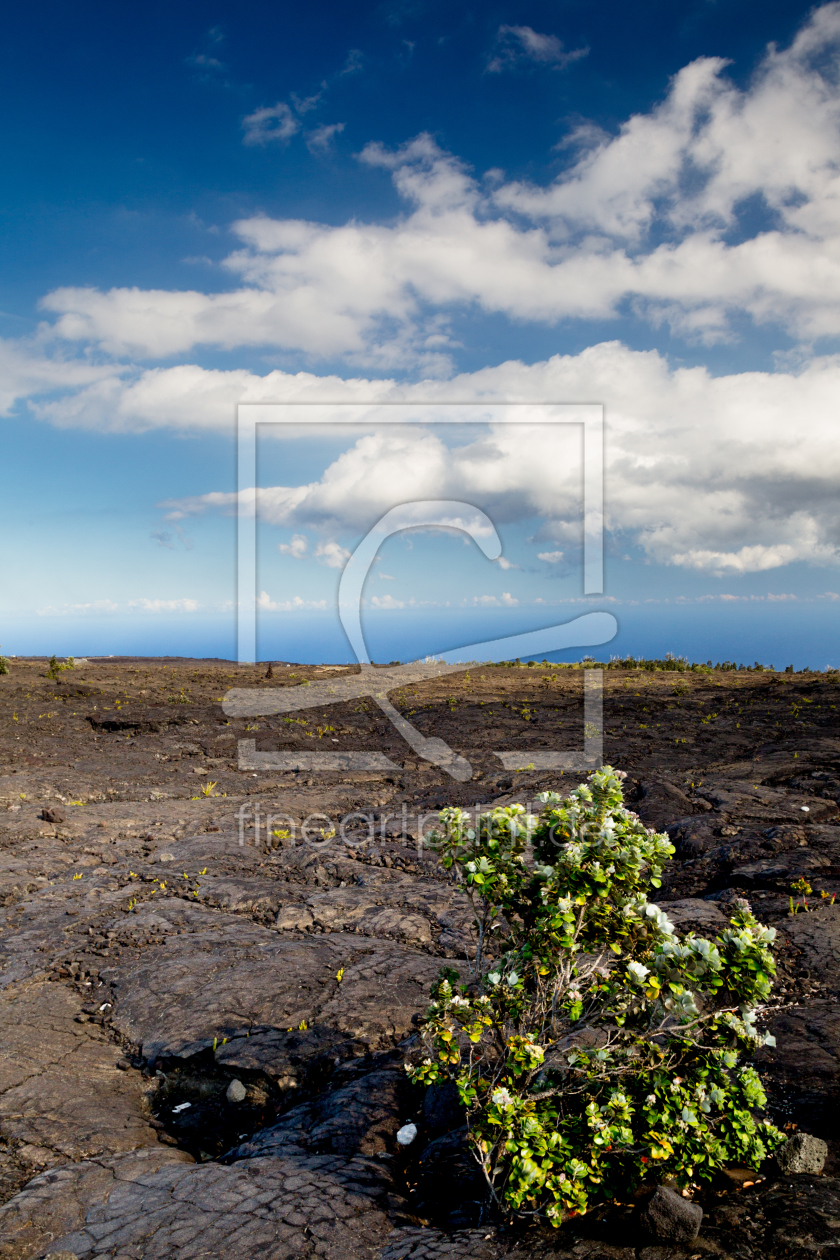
x=550, y=557
x=298, y=547
x=503, y=563
x=388, y=577
x=730, y=474
x=386, y=601
x=269, y=124
x=746, y=560
x=646, y=217
x=515, y=44
x=295, y=604
x=320, y=140
x=332, y=554
x=725, y=474
x=303, y=104
x=493, y=601
x=184, y=398
x=26, y=369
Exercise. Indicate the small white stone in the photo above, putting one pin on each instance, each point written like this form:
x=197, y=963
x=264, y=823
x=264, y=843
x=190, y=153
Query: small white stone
x=236, y=1092
x=180, y=1107
x=407, y=1134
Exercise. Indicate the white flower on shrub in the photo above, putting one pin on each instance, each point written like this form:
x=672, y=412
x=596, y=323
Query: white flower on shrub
x=638, y=971
x=660, y=918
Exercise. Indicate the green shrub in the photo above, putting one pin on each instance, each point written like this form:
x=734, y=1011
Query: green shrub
x=592, y=1047
x=57, y=666
x=4, y=665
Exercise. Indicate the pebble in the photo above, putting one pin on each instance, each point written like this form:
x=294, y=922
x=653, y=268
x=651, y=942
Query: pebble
x=236, y=1092
x=407, y=1134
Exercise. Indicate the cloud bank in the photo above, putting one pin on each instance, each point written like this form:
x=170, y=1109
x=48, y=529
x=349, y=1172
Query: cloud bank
x=718, y=205
x=726, y=474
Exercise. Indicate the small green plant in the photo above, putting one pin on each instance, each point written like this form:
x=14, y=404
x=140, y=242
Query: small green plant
x=592, y=1047
x=56, y=666
x=4, y=665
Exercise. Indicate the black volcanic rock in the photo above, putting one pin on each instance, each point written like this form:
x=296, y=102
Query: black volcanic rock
x=152, y=953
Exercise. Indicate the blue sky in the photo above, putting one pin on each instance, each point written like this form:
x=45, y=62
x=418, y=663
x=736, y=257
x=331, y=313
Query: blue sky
x=631, y=206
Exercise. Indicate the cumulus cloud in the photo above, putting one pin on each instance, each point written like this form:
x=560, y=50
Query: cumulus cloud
x=515, y=44
x=332, y=554
x=298, y=547
x=725, y=474
x=550, y=557
x=385, y=601
x=26, y=369
x=717, y=204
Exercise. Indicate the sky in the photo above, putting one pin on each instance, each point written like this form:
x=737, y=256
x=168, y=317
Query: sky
x=411, y=205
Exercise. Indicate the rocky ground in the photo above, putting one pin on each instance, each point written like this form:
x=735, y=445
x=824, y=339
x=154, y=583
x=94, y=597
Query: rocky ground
x=203, y=1014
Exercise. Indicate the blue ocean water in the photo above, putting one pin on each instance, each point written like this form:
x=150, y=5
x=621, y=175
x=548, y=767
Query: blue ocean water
x=802, y=634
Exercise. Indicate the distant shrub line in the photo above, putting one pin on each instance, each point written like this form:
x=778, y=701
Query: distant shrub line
x=674, y=664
